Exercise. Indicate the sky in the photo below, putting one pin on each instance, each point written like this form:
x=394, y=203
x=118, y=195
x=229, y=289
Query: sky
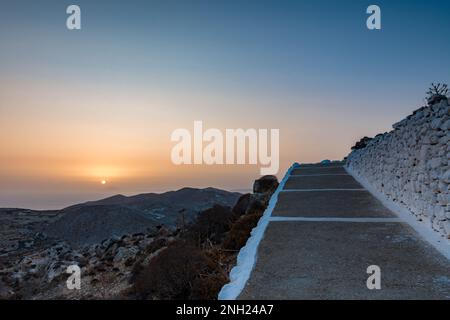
x=78, y=107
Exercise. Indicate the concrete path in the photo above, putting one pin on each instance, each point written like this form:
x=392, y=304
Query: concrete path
x=326, y=230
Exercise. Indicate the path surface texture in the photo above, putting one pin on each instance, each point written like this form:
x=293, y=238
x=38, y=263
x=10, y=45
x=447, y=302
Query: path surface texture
x=326, y=230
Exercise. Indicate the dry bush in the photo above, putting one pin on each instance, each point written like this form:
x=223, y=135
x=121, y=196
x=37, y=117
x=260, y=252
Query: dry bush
x=156, y=244
x=438, y=89
x=138, y=266
x=240, y=231
x=242, y=227
x=211, y=224
x=196, y=266
x=172, y=273
x=207, y=287
x=436, y=93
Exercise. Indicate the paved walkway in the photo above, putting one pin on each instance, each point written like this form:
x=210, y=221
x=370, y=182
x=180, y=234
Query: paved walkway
x=326, y=230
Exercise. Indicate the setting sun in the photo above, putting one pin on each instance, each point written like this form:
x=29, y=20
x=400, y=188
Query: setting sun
x=103, y=182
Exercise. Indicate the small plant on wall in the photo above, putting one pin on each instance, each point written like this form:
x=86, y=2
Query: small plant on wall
x=436, y=93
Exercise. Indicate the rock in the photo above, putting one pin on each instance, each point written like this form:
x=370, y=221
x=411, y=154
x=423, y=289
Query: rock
x=436, y=123
x=242, y=204
x=445, y=126
x=446, y=177
x=399, y=124
x=361, y=144
x=55, y=269
x=423, y=155
x=435, y=99
x=435, y=163
x=446, y=226
x=258, y=203
x=124, y=254
x=444, y=199
x=434, y=139
x=265, y=184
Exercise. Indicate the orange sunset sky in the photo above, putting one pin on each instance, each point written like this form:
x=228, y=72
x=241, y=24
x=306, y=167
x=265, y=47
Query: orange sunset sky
x=100, y=103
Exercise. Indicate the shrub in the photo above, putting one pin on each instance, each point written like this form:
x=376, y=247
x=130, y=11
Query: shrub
x=211, y=224
x=436, y=93
x=242, y=227
x=172, y=273
x=438, y=89
x=188, y=268
x=207, y=287
x=240, y=231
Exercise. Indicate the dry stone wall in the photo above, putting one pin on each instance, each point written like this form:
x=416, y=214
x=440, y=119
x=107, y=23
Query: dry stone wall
x=411, y=164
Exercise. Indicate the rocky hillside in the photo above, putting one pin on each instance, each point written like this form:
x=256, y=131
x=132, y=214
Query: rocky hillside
x=92, y=222
x=158, y=264
x=411, y=164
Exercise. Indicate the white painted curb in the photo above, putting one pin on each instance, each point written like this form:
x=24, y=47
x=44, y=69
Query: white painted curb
x=246, y=258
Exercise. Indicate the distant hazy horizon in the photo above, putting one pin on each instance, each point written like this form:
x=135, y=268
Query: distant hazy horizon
x=79, y=108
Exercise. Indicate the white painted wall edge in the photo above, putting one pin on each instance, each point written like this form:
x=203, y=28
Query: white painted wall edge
x=423, y=228
x=247, y=256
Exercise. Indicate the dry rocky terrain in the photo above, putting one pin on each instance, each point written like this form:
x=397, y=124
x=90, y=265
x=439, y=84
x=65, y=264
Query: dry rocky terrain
x=113, y=240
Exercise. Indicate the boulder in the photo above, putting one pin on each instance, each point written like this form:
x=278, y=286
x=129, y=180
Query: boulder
x=125, y=254
x=242, y=204
x=361, y=144
x=265, y=184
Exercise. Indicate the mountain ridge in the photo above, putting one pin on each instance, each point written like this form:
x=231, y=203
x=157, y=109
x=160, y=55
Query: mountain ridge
x=93, y=221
